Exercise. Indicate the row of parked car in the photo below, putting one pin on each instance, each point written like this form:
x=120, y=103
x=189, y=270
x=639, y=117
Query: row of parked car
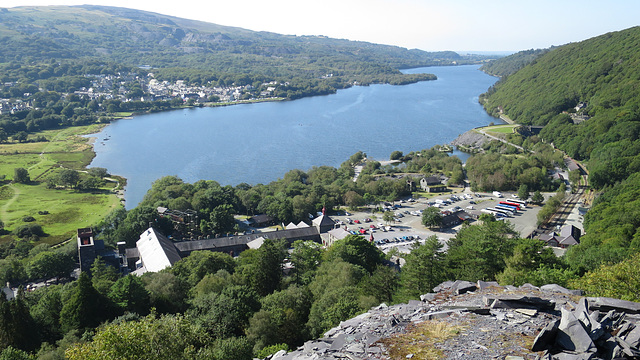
x=398, y=239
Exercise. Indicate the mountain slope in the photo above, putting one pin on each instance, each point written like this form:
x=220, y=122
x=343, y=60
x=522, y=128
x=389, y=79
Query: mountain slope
x=510, y=64
x=602, y=71
x=587, y=95
x=135, y=37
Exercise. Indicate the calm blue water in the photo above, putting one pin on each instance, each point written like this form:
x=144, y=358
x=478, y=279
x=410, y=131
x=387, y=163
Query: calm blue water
x=259, y=143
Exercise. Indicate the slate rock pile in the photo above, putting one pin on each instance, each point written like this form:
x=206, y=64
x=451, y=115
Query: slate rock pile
x=610, y=331
x=498, y=322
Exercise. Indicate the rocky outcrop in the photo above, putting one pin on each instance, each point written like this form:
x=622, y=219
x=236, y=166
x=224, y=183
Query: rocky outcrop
x=496, y=321
x=470, y=140
x=584, y=334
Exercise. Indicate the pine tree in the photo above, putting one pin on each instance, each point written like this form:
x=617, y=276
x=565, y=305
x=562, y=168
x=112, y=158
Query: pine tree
x=85, y=309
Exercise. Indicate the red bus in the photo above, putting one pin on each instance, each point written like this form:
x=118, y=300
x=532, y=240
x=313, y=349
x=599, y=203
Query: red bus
x=516, y=205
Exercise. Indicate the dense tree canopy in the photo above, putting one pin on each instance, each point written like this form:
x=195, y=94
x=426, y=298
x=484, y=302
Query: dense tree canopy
x=585, y=94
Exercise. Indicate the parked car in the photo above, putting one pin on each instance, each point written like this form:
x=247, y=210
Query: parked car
x=356, y=221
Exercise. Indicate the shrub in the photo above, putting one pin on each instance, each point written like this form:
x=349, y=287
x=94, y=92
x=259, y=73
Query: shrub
x=28, y=230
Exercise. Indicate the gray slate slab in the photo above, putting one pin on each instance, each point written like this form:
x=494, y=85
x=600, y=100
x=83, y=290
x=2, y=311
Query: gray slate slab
x=606, y=304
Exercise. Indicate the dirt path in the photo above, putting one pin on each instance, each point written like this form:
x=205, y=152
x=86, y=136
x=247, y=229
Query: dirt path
x=503, y=140
x=16, y=195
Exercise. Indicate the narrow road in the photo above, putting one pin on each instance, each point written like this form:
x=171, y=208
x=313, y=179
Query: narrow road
x=481, y=130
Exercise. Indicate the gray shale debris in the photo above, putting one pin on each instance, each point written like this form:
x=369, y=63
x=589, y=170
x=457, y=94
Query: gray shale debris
x=497, y=321
x=581, y=334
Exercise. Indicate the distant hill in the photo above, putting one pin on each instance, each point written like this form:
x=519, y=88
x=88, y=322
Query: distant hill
x=587, y=94
x=509, y=64
x=190, y=49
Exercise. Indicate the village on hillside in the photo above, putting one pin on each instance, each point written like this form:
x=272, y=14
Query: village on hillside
x=118, y=87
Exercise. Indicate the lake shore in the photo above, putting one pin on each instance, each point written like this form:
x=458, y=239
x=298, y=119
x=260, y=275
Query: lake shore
x=259, y=143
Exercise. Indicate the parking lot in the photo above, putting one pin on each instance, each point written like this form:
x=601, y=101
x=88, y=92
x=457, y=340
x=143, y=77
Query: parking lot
x=407, y=228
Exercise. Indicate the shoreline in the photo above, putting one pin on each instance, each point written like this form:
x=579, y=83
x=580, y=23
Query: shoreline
x=137, y=189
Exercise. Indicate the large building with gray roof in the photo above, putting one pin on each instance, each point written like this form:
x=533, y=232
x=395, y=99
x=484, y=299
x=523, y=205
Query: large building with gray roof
x=154, y=251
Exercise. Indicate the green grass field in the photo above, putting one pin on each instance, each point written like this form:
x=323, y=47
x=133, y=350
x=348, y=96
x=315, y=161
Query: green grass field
x=500, y=129
x=67, y=209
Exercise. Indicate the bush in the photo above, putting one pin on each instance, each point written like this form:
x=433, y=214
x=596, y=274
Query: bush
x=28, y=219
x=28, y=230
x=270, y=350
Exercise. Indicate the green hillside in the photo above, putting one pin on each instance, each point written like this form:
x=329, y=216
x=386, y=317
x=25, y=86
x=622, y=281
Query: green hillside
x=510, y=64
x=187, y=47
x=603, y=75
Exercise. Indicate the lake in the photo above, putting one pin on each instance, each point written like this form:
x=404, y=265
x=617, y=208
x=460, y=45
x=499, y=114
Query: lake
x=259, y=143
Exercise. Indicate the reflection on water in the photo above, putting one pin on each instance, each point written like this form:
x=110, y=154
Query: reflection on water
x=259, y=143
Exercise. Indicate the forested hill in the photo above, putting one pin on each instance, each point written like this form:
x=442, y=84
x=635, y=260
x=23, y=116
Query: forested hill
x=587, y=95
x=195, y=50
x=509, y=64
x=602, y=71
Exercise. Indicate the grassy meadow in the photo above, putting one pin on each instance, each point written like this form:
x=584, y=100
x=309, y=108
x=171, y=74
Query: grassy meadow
x=59, y=211
x=500, y=129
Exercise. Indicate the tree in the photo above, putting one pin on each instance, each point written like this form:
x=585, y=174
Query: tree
x=227, y=313
x=21, y=175
x=11, y=353
x=388, y=217
x=457, y=177
x=212, y=283
x=537, y=198
x=68, y=177
x=172, y=337
x=281, y=319
x=221, y=218
x=129, y=294
x=90, y=183
x=369, y=199
x=396, y=155
x=86, y=308
x=166, y=292
x=424, y=268
x=50, y=264
x=98, y=172
x=523, y=192
x=20, y=136
x=305, y=258
x=262, y=269
x=46, y=312
x=12, y=270
x=334, y=306
x=335, y=274
x=528, y=256
x=353, y=200
x=574, y=178
x=356, y=250
x=432, y=217
x=381, y=284
x=17, y=327
x=103, y=276
x=478, y=252
x=621, y=281
x=193, y=268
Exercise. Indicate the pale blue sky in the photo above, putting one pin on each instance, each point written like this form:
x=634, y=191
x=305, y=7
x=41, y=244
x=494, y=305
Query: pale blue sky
x=432, y=25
